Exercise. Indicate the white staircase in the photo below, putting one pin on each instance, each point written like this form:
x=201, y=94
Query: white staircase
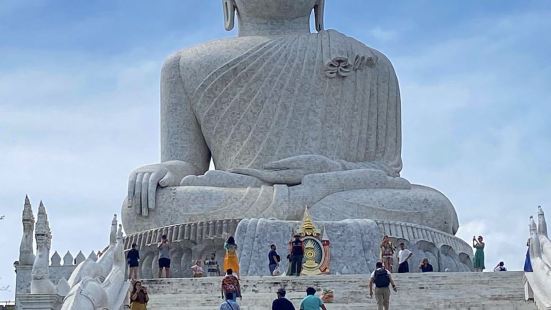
x=489, y=290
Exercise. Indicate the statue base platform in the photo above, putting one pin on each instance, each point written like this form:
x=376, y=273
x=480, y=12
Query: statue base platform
x=354, y=245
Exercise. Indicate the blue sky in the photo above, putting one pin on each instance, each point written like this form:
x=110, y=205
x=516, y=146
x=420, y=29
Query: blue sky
x=79, y=106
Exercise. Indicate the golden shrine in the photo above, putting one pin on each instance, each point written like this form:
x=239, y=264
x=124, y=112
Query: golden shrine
x=317, y=254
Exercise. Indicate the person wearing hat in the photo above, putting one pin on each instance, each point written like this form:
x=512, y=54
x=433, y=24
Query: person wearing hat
x=282, y=303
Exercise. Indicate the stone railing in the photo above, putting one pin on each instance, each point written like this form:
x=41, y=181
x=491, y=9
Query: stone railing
x=538, y=282
x=412, y=232
x=189, y=242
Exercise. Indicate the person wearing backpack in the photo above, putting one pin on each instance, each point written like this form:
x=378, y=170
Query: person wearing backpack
x=230, y=284
x=382, y=280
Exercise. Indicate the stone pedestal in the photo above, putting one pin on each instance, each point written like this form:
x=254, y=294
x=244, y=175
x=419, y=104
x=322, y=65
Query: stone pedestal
x=354, y=245
x=39, y=302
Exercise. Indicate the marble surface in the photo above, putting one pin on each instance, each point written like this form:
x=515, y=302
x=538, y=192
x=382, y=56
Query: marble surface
x=436, y=290
x=354, y=245
x=290, y=118
x=538, y=282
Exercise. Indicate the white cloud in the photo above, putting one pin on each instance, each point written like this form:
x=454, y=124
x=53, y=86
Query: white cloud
x=475, y=122
x=381, y=34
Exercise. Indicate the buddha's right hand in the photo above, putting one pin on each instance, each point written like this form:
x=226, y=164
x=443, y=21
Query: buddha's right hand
x=143, y=182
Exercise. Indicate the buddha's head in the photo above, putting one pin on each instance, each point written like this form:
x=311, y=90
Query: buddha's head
x=272, y=10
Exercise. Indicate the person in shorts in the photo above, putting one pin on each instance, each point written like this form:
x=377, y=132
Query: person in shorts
x=164, y=257
x=133, y=260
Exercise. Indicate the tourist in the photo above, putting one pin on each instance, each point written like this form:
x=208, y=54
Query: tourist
x=138, y=297
x=425, y=266
x=387, y=252
x=230, y=259
x=289, y=262
x=297, y=254
x=133, y=260
x=230, y=284
x=164, y=257
x=500, y=267
x=282, y=303
x=273, y=260
x=382, y=278
x=213, y=270
x=197, y=270
x=229, y=303
x=403, y=256
x=311, y=301
x=478, y=262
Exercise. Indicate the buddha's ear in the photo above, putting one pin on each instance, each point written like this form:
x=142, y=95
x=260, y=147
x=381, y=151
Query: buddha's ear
x=319, y=9
x=229, y=14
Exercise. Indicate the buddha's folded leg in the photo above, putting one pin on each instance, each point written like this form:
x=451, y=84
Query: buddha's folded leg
x=370, y=194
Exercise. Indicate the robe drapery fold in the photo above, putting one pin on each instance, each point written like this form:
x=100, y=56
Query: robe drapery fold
x=322, y=93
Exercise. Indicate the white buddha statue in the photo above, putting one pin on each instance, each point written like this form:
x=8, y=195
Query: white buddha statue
x=290, y=118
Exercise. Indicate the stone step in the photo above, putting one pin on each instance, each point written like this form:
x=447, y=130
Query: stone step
x=415, y=291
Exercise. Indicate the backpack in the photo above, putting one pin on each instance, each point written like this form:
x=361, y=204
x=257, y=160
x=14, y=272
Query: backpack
x=381, y=277
x=228, y=284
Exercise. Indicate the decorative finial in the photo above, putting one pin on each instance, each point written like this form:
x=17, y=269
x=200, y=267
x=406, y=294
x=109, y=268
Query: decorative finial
x=308, y=228
x=532, y=226
x=324, y=237
x=542, y=224
x=28, y=210
x=113, y=234
x=119, y=232
x=42, y=225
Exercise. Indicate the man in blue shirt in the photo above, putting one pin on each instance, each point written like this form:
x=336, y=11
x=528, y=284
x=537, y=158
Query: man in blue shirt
x=311, y=301
x=273, y=259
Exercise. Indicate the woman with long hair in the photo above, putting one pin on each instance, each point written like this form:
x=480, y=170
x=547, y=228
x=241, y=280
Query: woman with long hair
x=478, y=261
x=387, y=253
x=230, y=259
x=138, y=297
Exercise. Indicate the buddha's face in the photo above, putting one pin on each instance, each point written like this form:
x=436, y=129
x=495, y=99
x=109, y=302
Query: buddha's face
x=278, y=9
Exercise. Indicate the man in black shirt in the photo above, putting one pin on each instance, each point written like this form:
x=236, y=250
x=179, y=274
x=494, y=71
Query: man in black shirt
x=297, y=254
x=133, y=260
x=282, y=303
x=273, y=259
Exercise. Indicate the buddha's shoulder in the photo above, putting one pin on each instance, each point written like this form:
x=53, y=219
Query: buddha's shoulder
x=214, y=53
x=196, y=62
x=358, y=46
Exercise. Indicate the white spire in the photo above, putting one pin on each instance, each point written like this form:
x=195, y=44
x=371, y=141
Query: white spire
x=27, y=210
x=542, y=225
x=113, y=235
x=42, y=225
